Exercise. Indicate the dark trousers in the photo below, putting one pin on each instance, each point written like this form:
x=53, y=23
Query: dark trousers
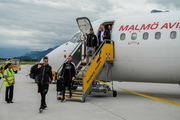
x=43, y=99
x=9, y=93
x=67, y=82
x=43, y=89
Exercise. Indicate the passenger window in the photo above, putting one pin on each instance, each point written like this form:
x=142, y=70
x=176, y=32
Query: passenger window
x=173, y=35
x=134, y=36
x=123, y=36
x=145, y=35
x=157, y=35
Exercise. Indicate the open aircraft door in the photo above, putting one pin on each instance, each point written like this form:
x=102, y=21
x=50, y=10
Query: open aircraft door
x=84, y=25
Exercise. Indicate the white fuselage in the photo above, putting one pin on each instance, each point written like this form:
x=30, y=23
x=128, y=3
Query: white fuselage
x=151, y=60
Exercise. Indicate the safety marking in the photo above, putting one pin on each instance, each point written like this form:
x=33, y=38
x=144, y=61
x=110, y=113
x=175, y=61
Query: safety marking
x=107, y=56
x=154, y=98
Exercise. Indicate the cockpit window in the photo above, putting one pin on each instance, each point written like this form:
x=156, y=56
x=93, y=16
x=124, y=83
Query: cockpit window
x=75, y=38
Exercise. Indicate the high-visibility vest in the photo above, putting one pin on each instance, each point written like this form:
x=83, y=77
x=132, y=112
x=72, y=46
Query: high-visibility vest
x=0, y=70
x=7, y=62
x=10, y=77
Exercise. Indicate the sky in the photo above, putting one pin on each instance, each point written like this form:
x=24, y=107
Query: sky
x=42, y=24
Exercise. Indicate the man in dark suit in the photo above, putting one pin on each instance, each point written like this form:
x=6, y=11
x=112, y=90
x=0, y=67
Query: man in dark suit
x=103, y=34
x=110, y=29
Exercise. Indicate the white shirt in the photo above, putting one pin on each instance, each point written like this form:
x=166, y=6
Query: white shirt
x=102, y=33
x=5, y=72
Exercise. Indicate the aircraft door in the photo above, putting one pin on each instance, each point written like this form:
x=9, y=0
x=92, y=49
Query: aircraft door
x=84, y=25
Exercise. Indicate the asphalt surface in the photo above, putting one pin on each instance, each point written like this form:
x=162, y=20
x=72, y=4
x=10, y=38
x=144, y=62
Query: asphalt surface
x=98, y=106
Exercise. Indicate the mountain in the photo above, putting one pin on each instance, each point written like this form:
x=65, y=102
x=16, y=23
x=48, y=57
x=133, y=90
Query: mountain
x=157, y=11
x=12, y=52
x=36, y=54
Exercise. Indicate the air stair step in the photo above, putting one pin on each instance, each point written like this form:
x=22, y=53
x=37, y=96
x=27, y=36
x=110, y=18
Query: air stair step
x=78, y=80
x=79, y=90
x=77, y=85
x=73, y=97
x=79, y=76
x=82, y=65
x=80, y=70
x=84, y=62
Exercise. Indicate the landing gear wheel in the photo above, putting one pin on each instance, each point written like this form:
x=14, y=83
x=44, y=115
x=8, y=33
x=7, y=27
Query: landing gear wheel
x=16, y=71
x=58, y=98
x=114, y=93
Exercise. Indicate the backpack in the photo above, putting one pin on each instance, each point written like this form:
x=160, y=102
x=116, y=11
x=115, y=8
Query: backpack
x=32, y=71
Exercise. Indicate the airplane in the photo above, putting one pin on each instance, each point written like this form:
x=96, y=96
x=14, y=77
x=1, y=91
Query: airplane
x=146, y=47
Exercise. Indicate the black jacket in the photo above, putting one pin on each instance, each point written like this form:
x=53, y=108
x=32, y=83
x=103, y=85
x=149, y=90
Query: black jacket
x=43, y=74
x=72, y=71
x=91, y=40
x=106, y=34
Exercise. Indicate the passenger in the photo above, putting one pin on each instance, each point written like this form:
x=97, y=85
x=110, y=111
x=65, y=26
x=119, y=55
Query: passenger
x=68, y=74
x=103, y=34
x=91, y=44
x=110, y=29
x=44, y=72
x=9, y=82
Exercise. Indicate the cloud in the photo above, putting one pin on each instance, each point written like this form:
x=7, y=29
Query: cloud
x=40, y=24
x=167, y=4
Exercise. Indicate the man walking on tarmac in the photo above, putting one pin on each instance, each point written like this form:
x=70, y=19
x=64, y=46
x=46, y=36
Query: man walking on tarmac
x=44, y=72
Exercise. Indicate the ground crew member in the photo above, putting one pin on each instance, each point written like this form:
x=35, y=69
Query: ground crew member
x=44, y=72
x=9, y=82
x=1, y=71
x=68, y=74
x=8, y=61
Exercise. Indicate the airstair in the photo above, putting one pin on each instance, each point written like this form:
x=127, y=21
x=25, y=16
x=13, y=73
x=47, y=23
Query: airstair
x=87, y=78
x=87, y=75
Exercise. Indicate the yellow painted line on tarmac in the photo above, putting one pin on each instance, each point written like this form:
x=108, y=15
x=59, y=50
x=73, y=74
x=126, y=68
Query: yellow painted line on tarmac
x=31, y=87
x=104, y=83
x=25, y=87
x=154, y=98
x=143, y=95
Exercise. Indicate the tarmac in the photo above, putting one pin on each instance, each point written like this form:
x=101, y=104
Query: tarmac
x=135, y=101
